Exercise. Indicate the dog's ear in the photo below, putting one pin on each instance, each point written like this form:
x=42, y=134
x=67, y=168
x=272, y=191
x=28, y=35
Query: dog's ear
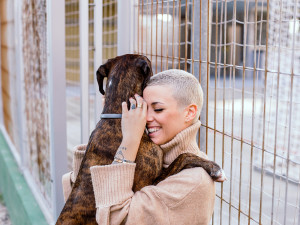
x=143, y=65
x=102, y=72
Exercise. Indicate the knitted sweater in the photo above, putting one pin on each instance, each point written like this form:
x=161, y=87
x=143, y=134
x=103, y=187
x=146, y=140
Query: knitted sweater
x=184, y=198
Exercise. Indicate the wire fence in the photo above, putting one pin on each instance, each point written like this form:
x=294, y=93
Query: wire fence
x=245, y=54
x=246, y=57
x=72, y=75
x=110, y=29
x=8, y=75
x=109, y=50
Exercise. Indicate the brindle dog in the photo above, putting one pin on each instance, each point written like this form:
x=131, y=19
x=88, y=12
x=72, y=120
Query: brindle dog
x=126, y=75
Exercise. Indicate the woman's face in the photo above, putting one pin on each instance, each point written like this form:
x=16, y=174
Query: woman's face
x=164, y=118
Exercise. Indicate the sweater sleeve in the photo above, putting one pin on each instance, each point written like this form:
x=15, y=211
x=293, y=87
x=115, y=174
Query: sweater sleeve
x=112, y=186
x=184, y=198
x=67, y=185
x=69, y=179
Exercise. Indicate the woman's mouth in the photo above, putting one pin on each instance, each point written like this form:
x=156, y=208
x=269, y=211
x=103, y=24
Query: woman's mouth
x=153, y=130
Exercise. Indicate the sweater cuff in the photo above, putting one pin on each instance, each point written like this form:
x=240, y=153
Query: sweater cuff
x=67, y=185
x=113, y=183
x=78, y=154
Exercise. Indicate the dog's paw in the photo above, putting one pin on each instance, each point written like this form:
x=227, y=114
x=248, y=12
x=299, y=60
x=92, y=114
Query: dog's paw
x=218, y=176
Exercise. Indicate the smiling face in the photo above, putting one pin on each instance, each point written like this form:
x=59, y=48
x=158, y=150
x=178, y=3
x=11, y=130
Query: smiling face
x=165, y=118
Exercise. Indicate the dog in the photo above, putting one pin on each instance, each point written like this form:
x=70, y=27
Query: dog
x=126, y=75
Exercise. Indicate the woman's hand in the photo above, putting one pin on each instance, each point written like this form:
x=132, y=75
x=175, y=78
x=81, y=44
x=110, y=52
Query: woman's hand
x=133, y=126
x=134, y=119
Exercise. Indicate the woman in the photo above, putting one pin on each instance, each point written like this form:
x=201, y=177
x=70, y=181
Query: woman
x=169, y=109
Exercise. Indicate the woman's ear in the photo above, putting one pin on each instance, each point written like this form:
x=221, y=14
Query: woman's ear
x=191, y=112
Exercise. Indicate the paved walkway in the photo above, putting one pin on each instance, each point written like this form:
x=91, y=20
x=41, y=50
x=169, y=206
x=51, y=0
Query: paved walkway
x=4, y=218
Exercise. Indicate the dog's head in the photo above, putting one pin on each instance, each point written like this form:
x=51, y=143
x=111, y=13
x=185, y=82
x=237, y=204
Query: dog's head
x=126, y=75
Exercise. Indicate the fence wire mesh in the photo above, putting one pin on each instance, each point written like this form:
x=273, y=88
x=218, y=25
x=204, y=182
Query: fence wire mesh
x=72, y=75
x=246, y=57
x=110, y=29
x=109, y=50
x=10, y=102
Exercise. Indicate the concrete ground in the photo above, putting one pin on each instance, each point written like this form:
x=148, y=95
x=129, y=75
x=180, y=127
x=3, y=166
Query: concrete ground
x=4, y=217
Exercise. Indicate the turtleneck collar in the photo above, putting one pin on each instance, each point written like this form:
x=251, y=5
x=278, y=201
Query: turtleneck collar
x=183, y=142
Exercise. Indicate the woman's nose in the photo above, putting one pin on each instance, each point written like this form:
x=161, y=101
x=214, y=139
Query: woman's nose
x=149, y=117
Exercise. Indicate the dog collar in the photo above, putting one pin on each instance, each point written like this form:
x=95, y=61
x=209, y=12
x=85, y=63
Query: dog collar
x=111, y=116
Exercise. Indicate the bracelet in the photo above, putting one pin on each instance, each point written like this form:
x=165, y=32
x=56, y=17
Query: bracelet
x=118, y=160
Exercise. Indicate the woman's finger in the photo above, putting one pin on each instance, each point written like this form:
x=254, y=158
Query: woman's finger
x=132, y=103
x=144, y=107
x=139, y=101
x=124, y=108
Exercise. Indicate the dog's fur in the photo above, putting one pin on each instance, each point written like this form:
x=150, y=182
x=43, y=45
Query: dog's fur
x=126, y=75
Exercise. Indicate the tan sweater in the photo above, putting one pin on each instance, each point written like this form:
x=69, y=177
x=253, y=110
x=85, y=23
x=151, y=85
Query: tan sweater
x=185, y=198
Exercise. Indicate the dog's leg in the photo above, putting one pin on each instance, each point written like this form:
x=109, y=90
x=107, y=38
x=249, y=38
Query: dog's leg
x=189, y=160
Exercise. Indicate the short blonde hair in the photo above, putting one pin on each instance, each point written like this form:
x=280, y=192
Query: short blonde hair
x=186, y=88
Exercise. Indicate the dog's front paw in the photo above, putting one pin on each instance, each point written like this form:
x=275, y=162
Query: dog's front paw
x=219, y=175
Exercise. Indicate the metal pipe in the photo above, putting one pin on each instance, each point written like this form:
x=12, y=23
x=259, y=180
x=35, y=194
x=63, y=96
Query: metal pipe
x=276, y=120
x=84, y=69
x=98, y=60
x=57, y=100
x=290, y=112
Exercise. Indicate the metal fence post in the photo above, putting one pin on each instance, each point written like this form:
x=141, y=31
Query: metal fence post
x=84, y=68
x=98, y=17
x=57, y=99
x=20, y=80
x=125, y=26
x=200, y=70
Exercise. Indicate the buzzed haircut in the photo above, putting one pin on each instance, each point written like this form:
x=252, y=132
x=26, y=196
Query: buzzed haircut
x=186, y=88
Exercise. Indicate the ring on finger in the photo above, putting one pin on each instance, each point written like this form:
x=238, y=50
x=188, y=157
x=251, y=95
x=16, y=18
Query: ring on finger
x=139, y=105
x=133, y=106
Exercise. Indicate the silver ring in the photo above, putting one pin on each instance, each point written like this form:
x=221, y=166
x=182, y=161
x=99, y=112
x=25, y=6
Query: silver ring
x=139, y=105
x=133, y=106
